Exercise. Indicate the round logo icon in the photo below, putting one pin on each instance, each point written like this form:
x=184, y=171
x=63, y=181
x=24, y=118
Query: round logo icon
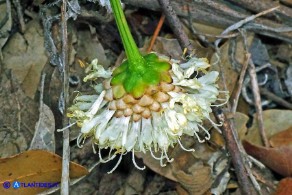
x=6, y=184
x=16, y=184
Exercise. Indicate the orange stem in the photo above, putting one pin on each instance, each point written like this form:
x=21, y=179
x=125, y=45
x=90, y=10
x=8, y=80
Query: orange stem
x=156, y=32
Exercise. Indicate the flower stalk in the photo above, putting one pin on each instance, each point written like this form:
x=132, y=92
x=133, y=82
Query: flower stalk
x=134, y=57
x=138, y=72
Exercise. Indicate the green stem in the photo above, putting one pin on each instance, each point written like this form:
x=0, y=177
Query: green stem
x=133, y=54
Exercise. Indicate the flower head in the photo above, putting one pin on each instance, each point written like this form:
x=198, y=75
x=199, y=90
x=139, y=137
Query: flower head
x=145, y=104
x=152, y=122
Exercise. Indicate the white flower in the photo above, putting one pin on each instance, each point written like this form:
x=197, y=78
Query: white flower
x=152, y=123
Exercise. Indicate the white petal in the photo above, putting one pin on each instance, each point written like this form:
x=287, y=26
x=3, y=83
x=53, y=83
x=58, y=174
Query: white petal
x=191, y=83
x=171, y=120
x=162, y=140
x=95, y=107
x=86, y=98
x=98, y=88
x=105, y=117
x=125, y=127
x=198, y=63
x=177, y=71
x=146, y=133
x=209, y=78
x=112, y=132
x=89, y=124
x=133, y=133
x=181, y=119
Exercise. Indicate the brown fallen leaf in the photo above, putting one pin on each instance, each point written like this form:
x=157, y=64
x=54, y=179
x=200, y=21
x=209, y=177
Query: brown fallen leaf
x=278, y=159
x=198, y=181
x=25, y=55
x=275, y=121
x=18, y=116
x=187, y=168
x=283, y=138
x=284, y=187
x=44, y=137
x=34, y=166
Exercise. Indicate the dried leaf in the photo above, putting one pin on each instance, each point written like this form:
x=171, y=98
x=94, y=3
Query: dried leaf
x=44, y=137
x=89, y=47
x=206, y=29
x=284, y=187
x=154, y=165
x=240, y=121
x=26, y=56
x=277, y=159
x=18, y=117
x=275, y=121
x=283, y=138
x=187, y=168
x=198, y=181
x=34, y=166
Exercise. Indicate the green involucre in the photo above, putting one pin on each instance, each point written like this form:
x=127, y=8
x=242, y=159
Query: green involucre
x=150, y=71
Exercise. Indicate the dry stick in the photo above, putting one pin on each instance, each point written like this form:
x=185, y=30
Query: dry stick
x=244, y=21
x=156, y=32
x=176, y=26
x=242, y=176
x=284, y=12
x=258, y=105
x=66, y=148
x=275, y=98
x=240, y=82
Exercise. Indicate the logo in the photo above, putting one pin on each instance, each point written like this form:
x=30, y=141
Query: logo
x=6, y=184
x=16, y=184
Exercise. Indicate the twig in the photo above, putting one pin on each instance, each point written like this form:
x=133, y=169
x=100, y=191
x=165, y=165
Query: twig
x=20, y=15
x=66, y=148
x=275, y=98
x=256, y=94
x=238, y=163
x=240, y=82
x=176, y=26
x=283, y=13
x=156, y=32
x=258, y=105
x=242, y=22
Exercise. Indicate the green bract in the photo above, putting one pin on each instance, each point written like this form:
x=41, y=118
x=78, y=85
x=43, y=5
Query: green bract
x=138, y=72
x=136, y=78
